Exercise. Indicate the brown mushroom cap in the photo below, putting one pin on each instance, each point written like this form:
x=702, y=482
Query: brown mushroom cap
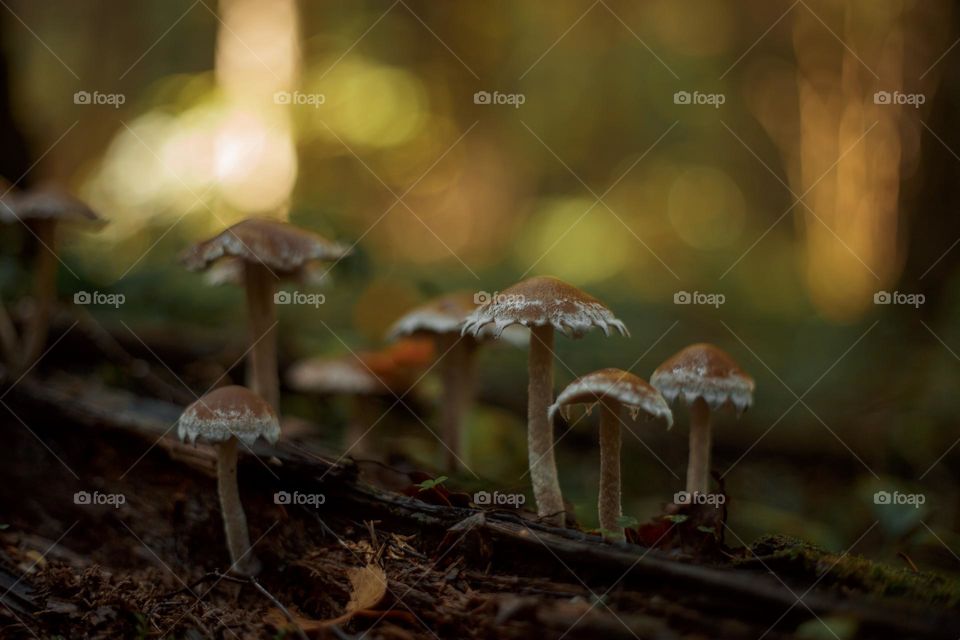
x=45, y=203
x=445, y=314
x=704, y=371
x=629, y=390
x=229, y=412
x=541, y=301
x=280, y=246
x=230, y=271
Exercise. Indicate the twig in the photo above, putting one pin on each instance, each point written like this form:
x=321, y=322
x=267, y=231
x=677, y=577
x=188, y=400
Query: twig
x=279, y=605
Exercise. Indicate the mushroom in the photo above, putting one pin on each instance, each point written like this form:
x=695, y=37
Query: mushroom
x=706, y=378
x=543, y=304
x=358, y=376
x=270, y=250
x=222, y=418
x=443, y=319
x=41, y=210
x=613, y=390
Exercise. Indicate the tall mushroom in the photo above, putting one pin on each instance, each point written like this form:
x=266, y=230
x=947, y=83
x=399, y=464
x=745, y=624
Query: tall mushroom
x=222, y=418
x=705, y=378
x=41, y=210
x=543, y=304
x=443, y=319
x=613, y=390
x=271, y=250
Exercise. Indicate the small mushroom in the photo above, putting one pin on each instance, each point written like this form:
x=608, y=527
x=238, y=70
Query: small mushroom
x=613, y=390
x=705, y=378
x=41, y=210
x=358, y=376
x=222, y=418
x=443, y=319
x=543, y=304
x=270, y=250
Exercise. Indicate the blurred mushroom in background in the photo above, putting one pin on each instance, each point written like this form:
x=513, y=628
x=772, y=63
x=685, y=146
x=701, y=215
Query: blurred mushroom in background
x=270, y=251
x=41, y=211
x=361, y=377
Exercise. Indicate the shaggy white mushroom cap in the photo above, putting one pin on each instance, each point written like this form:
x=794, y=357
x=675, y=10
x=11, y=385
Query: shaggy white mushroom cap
x=704, y=371
x=229, y=412
x=616, y=385
x=542, y=301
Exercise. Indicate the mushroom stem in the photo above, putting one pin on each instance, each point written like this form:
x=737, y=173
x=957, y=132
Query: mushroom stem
x=360, y=421
x=262, y=367
x=8, y=338
x=543, y=464
x=45, y=291
x=234, y=520
x=458, y=378
x=608, y=502
x=698, y=465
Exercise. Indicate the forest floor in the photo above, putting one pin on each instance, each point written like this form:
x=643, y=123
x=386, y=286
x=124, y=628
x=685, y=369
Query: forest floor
x=381, y=557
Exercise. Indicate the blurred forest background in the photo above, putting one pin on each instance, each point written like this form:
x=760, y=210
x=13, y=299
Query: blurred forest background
x=799, y=198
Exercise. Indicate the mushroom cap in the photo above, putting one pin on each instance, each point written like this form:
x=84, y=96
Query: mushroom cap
x=335, y=376
x=45, y=203
x=618, y=385
x=704, y=371
x=541, y=301
x=445, y=314
x=280, y=246
x=367, y=373
x=229, y=412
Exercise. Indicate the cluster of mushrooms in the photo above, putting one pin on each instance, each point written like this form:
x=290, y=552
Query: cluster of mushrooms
x=260, y=253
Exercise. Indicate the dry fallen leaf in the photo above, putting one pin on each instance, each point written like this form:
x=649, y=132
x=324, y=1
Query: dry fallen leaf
x=368, y=585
